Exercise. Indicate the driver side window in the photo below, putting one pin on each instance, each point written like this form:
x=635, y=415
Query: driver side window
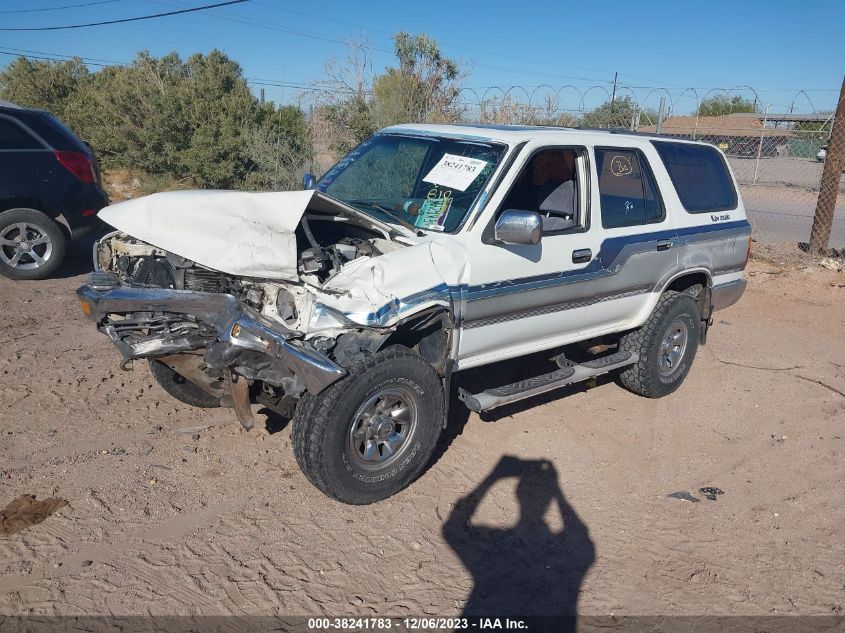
x=549, y=185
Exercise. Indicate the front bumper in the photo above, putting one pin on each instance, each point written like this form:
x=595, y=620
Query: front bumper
x=222, y=318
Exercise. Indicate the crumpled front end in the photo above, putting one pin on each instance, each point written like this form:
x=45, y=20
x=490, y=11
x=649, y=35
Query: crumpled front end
x=352, y=287
x=223, y=339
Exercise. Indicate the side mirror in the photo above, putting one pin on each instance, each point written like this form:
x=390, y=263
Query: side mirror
x=308, y=181
x=519, y=227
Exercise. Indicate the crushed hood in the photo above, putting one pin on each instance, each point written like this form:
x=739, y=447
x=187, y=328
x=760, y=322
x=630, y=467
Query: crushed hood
x=239, y=233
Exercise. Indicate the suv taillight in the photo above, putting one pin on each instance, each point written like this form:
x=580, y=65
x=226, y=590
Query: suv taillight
x=78, y=164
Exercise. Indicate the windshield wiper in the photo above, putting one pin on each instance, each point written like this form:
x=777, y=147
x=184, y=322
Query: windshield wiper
x=366, y=203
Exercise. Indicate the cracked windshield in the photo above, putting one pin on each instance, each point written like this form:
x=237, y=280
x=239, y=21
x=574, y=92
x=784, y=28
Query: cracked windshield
x=429, y=183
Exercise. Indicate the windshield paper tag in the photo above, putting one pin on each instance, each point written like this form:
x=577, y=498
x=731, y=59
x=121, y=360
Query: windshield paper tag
x=455, y=172
x=433, y=213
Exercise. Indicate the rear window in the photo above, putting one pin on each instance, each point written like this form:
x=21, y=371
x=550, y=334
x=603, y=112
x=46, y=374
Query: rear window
x=14, y=137
x=700, y=176
x=627, y=191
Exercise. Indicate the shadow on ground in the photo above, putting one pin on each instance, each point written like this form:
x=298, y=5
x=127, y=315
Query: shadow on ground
x=529, y=569
x=79, y=258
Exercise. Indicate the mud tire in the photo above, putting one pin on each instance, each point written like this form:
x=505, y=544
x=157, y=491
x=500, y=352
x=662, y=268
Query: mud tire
x=323, y=424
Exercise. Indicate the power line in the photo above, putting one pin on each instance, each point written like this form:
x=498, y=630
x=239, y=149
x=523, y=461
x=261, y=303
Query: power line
x=135, y=19
x=277, y=28
x=67, y=6
x=58, y=57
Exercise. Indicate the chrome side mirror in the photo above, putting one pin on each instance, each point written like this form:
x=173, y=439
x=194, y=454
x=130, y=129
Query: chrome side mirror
x=308, y=181
x=519, y=227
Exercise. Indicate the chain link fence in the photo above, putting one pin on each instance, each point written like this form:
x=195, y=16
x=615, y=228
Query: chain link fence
x=778, y=154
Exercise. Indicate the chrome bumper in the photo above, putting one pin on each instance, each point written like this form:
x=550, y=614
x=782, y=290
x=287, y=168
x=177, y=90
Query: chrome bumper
x=223, y=314
x=725, y=295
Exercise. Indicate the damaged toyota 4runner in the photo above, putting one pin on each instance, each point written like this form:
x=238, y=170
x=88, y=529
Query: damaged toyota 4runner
x=429, y=249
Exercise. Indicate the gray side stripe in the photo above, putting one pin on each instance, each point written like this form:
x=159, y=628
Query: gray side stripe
x=559, y=307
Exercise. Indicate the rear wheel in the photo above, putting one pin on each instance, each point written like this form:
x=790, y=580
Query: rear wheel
x=181, y=388
x=666, y=345
x=369, y=435
x=32, y=246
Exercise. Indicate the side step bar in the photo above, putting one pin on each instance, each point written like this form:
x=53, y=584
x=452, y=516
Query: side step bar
x=492, y=398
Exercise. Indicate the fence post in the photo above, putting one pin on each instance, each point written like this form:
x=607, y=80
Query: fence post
x=760, y=145
x=831, y=174
x=659, y=125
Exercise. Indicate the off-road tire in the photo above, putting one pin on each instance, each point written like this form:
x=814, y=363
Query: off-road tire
x=181, y=388
x=46, y=227
x=323, y=424
x=644, y=377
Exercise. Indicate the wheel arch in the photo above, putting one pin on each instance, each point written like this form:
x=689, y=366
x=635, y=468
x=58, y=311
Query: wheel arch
x=36, y=204
x=683, y=281
x=429, y=333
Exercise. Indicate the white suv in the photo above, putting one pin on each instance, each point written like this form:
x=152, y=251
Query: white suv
x=427, y=250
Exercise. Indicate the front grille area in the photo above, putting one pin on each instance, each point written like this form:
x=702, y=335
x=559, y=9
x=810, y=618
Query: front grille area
x=204, y=280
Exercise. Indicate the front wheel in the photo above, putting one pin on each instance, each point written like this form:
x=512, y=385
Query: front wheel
x=369, y=435
x=666, y=345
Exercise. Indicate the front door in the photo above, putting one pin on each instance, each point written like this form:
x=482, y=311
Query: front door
x=524, y=298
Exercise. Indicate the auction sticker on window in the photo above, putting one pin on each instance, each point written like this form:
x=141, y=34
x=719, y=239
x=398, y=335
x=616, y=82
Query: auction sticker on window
x=455, y=172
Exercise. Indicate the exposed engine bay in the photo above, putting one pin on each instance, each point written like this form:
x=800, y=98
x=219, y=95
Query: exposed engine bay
x=323, y=247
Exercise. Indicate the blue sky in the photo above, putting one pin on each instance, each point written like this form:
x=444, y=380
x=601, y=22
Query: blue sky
x=776, y=47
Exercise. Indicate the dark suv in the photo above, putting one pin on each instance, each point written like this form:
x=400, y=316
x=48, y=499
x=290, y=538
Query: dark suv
x=49, y=191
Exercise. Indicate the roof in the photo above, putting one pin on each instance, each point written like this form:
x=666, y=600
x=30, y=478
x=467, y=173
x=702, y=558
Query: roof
x=517, y=133
x=726, y=125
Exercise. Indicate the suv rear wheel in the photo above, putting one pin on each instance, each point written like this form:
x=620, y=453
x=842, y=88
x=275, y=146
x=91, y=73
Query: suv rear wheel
x=32, y=246
x=370, y=434
x=666, y=345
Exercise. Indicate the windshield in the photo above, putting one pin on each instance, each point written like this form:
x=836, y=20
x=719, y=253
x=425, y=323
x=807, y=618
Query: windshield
x=428, y=182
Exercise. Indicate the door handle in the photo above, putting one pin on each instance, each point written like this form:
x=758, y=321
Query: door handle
x=581, y=255
x=664, y=245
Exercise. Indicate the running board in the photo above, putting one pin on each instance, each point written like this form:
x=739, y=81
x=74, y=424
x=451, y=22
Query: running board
x=492, y=398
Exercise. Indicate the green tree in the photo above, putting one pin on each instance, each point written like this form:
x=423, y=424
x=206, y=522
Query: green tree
x=45, y=85
x=720, y=105
x=423, y=86
x=192, y=120
x=621, y=113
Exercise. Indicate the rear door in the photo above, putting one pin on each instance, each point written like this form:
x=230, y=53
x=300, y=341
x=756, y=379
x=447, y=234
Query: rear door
x=638, y=247
x=23, y=168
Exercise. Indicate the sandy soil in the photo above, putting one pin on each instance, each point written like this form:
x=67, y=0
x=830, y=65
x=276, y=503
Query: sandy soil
x=174, y=510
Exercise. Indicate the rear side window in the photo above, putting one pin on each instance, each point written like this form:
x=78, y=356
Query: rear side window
x=700, y=176
x=629, y=196
x=13, y=136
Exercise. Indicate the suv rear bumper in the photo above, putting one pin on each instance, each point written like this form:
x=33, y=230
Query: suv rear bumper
x=90, y=200
x=225, y=322
x=725, y=295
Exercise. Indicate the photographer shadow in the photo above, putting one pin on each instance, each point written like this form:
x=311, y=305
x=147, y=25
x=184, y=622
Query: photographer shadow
x=529, y=569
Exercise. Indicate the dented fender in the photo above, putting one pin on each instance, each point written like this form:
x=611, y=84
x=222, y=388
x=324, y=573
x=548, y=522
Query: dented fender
x=383, y=291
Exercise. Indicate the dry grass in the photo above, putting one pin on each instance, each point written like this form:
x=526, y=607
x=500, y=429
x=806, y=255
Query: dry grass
x=793, y=255
x=124, y=184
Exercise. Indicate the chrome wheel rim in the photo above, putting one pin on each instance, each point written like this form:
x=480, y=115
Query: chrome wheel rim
x=25, y=246
x=672, y=347
x=382, y=427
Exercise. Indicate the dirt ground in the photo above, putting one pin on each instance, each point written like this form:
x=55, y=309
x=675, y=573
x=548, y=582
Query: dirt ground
x=174, y=510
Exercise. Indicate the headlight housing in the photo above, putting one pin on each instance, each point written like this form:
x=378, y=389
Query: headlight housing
x=286, y=307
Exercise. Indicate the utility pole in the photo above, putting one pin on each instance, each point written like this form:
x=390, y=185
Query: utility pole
x=613, y=96
x=832, y=172
x=262, y=95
